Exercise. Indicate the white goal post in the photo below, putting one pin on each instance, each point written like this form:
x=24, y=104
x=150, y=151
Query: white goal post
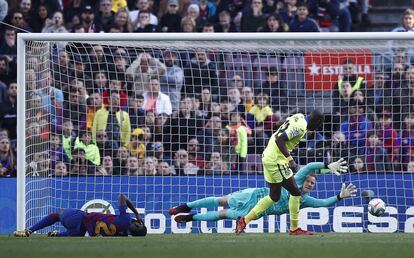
x=310, y=65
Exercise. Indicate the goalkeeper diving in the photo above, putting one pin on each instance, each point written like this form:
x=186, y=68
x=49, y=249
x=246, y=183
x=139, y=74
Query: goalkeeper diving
x=241, y=202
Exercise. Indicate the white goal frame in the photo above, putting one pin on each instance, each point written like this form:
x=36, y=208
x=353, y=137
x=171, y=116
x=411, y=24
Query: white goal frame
x=87, y=37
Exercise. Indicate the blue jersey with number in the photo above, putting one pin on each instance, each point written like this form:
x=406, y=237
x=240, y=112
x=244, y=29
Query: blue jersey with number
x=108, y=224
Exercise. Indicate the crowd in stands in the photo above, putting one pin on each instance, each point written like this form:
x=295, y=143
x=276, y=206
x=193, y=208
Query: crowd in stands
x=110, y=110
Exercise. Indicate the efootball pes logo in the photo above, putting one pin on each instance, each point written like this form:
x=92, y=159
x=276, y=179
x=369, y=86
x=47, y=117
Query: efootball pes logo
x=99, y=206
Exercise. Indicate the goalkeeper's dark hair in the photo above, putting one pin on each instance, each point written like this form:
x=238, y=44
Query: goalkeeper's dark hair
x=312, y=175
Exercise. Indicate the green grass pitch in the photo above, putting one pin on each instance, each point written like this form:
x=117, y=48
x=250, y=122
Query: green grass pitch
x=332, y=245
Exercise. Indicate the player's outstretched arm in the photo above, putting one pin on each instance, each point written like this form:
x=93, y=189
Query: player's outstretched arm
x=346, y=192
x=123, y=200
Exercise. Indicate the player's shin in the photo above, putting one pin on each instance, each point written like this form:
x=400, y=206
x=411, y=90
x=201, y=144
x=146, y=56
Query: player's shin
x=45, y=222
x=209, y=216
x=294, y=205
x=258, y=210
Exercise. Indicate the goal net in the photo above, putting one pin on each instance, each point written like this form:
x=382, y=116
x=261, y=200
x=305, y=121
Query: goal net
x=168, y=119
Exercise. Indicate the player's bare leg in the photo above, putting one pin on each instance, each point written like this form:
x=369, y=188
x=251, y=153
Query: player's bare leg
x=290, y=185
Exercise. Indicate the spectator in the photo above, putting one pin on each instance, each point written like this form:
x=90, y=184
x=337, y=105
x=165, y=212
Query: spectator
x=8, y=111
x=107, y=166
x=17, y=20
x=410, y=167
x=247, y=97
x=150, y=167
x=172, y=82
x=171, y=21
x=389, y=137
x=207, y=11
x=61, y=72
x=182, y=166
x=105, y=17
x=274, y=24
x=115, y=86
x=80, y=73
x=55, y=25
x=356, y=127
x=156, y=150
x=261, y=111
x=338, y=147
x=254, y=21
x=121, y=162
x=75, y=108
x=71, y=13
x=155, y=100
x=7, y=159
x=358, y=165
x=289, y=11
x=122, y=20
x=94, y=103
x=106, y=146
x=137, y=144
x=114, y=121
x=142, y=70
x=142, y=6
x=133, y=168
x=84, y=142
x=345, y=17
x=8, y=45
x=239, y=132
x=178, y=130
x=193, y=11
x=98, y=62
x=68, y=138
x=144, y=24
x=208, y=28
x=40, y=166
x=61, y=169
x=136, y=110
x=79, y=165
x=376, y=158
x=407, y=22
x=235, y=101
x=57, y=153
x=326, y=13
x=164, y=169
x=407, y=139
x=188, y=24
x=88, y=17
x=201, y=72
x=216, y=165
x=276, y=89
x=205, y=103
x=349, y=74
x=403, y=98
x=194, y=155
x=378, y=95
x=225, y=23
x=301, y=22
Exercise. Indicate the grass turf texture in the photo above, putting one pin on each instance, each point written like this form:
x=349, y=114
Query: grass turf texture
x=349, y=245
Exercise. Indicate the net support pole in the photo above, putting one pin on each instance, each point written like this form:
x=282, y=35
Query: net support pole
x=21, y=134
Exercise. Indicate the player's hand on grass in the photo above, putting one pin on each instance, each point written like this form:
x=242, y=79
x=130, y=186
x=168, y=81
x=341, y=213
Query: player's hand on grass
x=293, y=166
x=348, y=191
x=52, y=233
x=338, y=167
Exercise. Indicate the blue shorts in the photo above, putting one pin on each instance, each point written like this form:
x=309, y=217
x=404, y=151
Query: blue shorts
x=72, y=220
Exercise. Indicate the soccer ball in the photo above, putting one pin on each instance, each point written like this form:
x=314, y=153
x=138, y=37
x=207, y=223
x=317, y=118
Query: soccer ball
x=376, y=207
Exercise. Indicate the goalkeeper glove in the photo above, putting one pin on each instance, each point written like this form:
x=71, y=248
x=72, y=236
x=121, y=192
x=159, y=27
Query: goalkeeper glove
x=347, y=191
x=338, y=167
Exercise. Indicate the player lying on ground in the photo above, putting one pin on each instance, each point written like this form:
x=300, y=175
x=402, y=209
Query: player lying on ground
x=78, y=222
x=241, y=202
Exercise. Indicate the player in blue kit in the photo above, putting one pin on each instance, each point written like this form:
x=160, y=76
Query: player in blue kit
x=78, y=222
x=241, y=202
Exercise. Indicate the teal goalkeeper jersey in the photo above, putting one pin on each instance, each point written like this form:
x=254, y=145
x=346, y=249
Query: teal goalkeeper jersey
x=282, y=206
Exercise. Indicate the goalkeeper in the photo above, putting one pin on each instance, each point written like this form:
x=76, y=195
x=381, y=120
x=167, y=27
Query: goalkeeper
x=241, y=202
x=78, y=222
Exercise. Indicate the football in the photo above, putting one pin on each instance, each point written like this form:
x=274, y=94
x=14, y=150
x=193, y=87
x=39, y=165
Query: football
x=376, y=207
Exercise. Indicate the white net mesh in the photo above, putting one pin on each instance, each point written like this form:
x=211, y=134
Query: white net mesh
x=171, y=122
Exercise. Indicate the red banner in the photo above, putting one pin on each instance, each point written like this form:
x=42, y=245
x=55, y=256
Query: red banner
x=324, y=68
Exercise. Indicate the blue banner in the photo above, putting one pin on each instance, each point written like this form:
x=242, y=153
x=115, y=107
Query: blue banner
x=153, y=196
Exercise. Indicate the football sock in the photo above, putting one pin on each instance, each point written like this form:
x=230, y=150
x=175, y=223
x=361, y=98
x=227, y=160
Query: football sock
x=45, y=222
x=209, y=216
x=294, y=204
x=208, y=202
x=260, y=207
